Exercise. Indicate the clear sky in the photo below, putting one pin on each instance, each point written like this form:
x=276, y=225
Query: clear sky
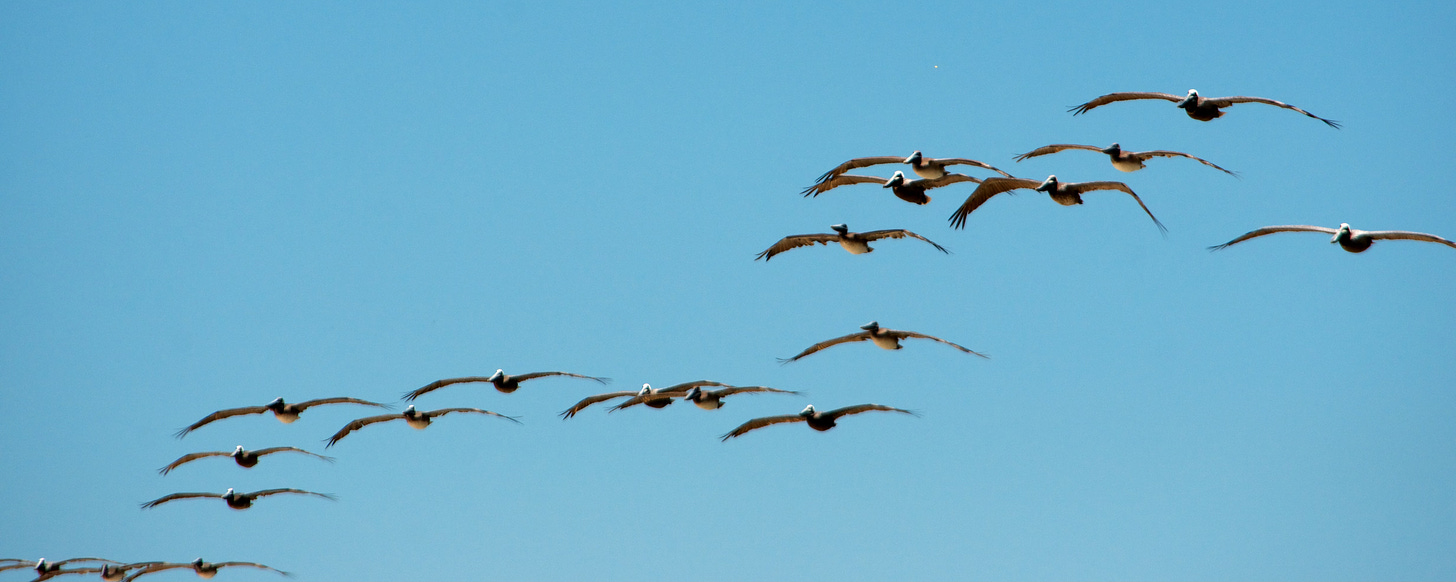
x=210, y=205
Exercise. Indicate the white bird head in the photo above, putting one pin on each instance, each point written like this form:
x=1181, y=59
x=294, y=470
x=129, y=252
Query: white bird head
x=694, y=394
x=198, y=563
x=871, y=326
x=1190, y=99
x=1112, y=149
x=229, y=494
x=914, y=158
x=276, y=403
x=808, y=411
x=238, y=452
x=840, y=228
x=646, y=389
x=896, y=180
x=1048, y=185
x=410, y=410
x=497, y=376
x=1343, y=232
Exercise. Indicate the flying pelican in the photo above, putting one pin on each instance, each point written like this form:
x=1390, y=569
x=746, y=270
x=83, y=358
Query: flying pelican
x=1200, y=108
x=1064, y=193
x=820, y=421
x=885, y=338
x=656, y=398
x=234, y=499
x=416, y=419
x=1122, y=159
x=922, y=166
x=504, y=383
x=245, y=458
x=857, y=243
x=1355, y=241
x=693, y=392
x=45, y=569
x=912, y=191
x=286, y=413
x=203, y=569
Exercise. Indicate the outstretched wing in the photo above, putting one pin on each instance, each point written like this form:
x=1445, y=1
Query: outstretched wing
x=970, y=162
x=219, y=415
x=271, y=450
x=946, y=180
x=341, y=400
x=988, y=188
x=1081, y=187
x=360, y=423
x=154, y=568
x=444, y=411
x=248, y=565
x=184, y=459
x=1408, y=235
x=438, y=384
x=916, y=334
x=1173, y=154
x=858, y=163
x=796, y=241
x=1227, y=101
x=848, y=410
x=267, y=492
x=1271, y=230
x=1054, y=148
x=875, y=235
x=731, y=390
x=645, y=398
x=590, y=400
x=1115, y=97
x=176, y=496
x=854, y=337
x=535, y=375
x=843, y=180
x=758, y=423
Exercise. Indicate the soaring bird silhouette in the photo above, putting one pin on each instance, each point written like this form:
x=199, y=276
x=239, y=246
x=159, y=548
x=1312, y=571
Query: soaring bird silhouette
x=857, y=243
x=705, y=399
x=1123, y=160
x=654, y=397
x=503, y=382
x=1200, y=108
x=234, y=499
x=885, y=338
x=203, y=569
x=1355, y=241
x=912, y=191
x=820, y=421
x=244, y=458
x=922, y=166
x=286, y=413
x=1064, y=193
x=416, y=419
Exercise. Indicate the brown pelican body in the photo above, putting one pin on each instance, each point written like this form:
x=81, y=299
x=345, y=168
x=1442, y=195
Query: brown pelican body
x=201, y=568
x=285, y=412
x=1064, y=193
x=1352, y=240
x=503, y=382
x=416, y=420
x=885, y=338
x=820, y=421
x=45, y=569
x=1200, y=108
x=924, y=167
x=857, y=243
x=1122, y=160
x=234, y=499
x=244, y=458
x=912, y=191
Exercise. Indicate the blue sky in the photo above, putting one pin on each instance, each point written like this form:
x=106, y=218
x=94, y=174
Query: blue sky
x=205, y=206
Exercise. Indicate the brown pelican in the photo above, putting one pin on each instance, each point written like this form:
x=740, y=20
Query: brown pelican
x=234, y=499
x=502, y=382
x=885, y=338
x=286, y=413
x=1064, y=193
x=45, y=569
x=922, y=166
x=416, y=419
x=245, y=458
x=857, y=243
x=1355, y=241
x=706, y=400
x=1122, y=159
x=647, y=395
x=912, y=191
x=1200, y=108
x=820, y=421
x=203, y=569
x=111, y=573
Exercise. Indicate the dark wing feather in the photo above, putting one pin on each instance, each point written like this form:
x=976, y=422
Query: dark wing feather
x=535, y=375
x=444, y=411
x=73, y=560
x=438, y=384
x=988, y=188
x=1227, y=101
x=176, y=496
x=1271, y=230
x=969, y=162
x=685, y=387
x=340, y=400
x=843, y=180
x=1054, y=148
x=758, y=423
x=267, y=492
x=854, y=337
x=875, y=235
x=184, y=459
x=271, y=450
x=590, y=400
x=248, y=565
x=1172, y=154
x=916, y=334
x=731, y=390
x=154, y=568
x=1115, y=97
x=1081, y=187
x=71, y=572
x=796, y=241
x=359, y=423
x=858, y=163
x=946, y=180
x=1408, y=235
x=221, y=414
x=848, y=410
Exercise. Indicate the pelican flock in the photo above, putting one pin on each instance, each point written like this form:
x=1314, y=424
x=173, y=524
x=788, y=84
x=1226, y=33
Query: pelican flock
x=710, y=395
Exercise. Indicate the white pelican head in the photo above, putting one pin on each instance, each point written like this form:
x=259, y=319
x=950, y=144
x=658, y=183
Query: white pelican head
x=871, y=326
x=410, y=410
x=807, y=411
x=840, y=228
x=1343, y=232
x=914, y=158
x=694, y=394
x=1048, y=185
x=238, y=452
x=896, y=180
x=229, y=494
x=1190, y=99
x=646, y=389
x=276, y=403
x=497, y=376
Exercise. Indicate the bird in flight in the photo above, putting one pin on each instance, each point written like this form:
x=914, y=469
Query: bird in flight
x=1064, y=193
x=1200, y=108
x=1355, y=241
x=885, y=338
x=857, y=243
x=820, y=421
